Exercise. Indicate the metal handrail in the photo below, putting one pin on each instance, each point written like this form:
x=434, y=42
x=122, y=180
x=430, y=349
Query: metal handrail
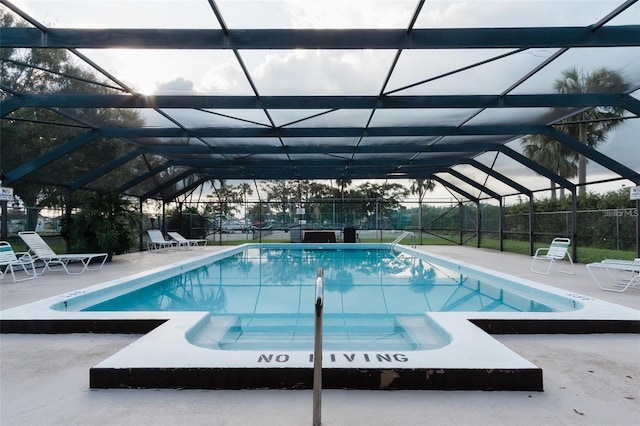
x=317, y=350
x=402, y=236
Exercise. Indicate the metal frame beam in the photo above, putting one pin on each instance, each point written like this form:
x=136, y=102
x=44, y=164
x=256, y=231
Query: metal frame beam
x=356, y=164
x=166, y=184
x=594, y=155
x=56, y=153
x=321, y=132
x=455, y=188
x=537, y=168
x=99, y=172
x=139, y=179
x=475, y=184
x=502, y=178
x=258, y=39
x=549, y=100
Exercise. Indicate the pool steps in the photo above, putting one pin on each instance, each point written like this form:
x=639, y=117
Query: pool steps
x=339, y=333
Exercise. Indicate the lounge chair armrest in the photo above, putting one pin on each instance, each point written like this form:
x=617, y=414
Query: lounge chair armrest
x=24, y=255
x=545, y=249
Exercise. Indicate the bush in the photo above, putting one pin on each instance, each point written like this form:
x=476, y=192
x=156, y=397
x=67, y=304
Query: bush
x=106, y=222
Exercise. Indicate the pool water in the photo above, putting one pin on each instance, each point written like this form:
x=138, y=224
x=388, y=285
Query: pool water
x=267, y=281
x=374, y=298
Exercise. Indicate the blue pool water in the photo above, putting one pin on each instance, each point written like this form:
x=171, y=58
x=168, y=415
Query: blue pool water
x=263, y=297
x=267, y=281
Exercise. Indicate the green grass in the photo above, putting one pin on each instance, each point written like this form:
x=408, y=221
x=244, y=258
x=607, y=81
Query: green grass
x=585, y=254
x=57, y=243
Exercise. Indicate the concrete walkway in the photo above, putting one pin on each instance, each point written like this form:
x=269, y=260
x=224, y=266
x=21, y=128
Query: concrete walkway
x=589, y=379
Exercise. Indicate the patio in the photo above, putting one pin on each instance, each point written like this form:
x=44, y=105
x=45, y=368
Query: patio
x=589, y=379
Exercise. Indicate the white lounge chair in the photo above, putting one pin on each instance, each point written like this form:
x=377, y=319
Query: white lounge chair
x=10, y=260
x=186, y=242
x=558, y=250
x=620, y=274
x=41, y=251
x=158, y=242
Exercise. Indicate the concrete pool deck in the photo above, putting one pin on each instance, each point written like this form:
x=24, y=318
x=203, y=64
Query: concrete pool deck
x=589, y=379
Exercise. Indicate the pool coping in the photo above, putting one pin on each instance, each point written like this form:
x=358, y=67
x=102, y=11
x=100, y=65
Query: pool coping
x=163, y=357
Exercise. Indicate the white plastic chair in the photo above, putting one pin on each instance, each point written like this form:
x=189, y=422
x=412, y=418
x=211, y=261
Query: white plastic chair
x=9, y=260
x=558, y=250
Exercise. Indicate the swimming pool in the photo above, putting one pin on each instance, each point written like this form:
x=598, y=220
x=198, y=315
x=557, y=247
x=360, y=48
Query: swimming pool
x=375, y=298
x=400, y=319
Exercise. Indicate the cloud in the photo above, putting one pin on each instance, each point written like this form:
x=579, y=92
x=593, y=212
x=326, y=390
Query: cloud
x=352, y=14
x=174, y=87
x=319, y=72
x=521, y=13
x=224, y=78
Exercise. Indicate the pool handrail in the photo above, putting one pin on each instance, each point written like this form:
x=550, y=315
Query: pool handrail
x=402, y=236
x=317, y=349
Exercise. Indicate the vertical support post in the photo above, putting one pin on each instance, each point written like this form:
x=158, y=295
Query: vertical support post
x=4, y=226
x=317, y=351
x=531, y=224
x=219, y=223
x=479, y=223
x=637, y=228
x=501, y=225
x=164, y=218
x=574, y=226
x=260, y=221
x=67, y=212
x=378, y=226
x=617, y=234
x=141, y=226
x=420, y=219
x=461, y=221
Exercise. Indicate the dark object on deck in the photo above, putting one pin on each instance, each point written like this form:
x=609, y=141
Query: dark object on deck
x=319, y=237
x=349, y=235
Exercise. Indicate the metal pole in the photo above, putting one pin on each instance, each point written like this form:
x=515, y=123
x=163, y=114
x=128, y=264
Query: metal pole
x=531, y=225
x=4, y=225
x=317, y=352
x=637, y=227
x=574, y=226
x=141, y=226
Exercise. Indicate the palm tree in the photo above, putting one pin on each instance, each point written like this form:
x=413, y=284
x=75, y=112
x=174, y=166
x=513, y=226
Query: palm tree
x=591, y=126
x=245, y=189
x=342, y=183
x=553, y=155
x=420, y=187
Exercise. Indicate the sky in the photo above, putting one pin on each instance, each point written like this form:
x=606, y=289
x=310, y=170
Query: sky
x=322, y=72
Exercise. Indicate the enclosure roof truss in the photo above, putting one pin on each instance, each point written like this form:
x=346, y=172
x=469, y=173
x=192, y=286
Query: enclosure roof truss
x=407, y=128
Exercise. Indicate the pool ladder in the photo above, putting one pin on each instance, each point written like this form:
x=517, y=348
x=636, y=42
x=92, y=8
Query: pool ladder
x=402, y=237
